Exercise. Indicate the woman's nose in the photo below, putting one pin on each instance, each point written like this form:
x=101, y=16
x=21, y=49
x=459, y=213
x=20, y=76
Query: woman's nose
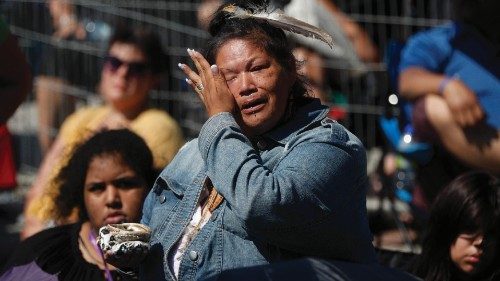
x=247, y=84
x=122, y=70
x=112, y=196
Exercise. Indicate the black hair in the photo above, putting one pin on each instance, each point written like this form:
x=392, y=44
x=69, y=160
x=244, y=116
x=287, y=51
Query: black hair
x=123, y=143
x=273, y=40
x=145, y=40
x=470, y=203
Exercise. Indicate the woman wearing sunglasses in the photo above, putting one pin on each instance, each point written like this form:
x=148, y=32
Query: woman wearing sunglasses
x=132, y=67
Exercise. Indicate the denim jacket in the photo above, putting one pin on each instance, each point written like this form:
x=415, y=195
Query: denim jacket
x=299, y=190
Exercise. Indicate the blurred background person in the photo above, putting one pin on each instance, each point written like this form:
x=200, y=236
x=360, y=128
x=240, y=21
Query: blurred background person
x=133, y=67
x=352, y=48
x=104, y=182
x=15, y=85
x=452, y=75
x=15, y=74
x=330, y=71
x=68, y=67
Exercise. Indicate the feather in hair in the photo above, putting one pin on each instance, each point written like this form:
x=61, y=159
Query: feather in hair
x=277, y=18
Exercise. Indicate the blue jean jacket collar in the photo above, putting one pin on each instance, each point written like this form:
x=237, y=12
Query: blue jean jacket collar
x=305, y=115
x=177, y=187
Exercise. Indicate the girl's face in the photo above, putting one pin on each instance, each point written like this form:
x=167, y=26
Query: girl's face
x=113, y=192
x=472, y=252
x=466, y=251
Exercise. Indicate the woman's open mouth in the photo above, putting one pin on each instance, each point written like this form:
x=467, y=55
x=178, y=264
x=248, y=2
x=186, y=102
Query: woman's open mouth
x=252, y=106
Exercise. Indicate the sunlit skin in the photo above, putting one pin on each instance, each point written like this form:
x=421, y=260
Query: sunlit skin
x=113, y=193
x=245, y=81
x=126, y=93
x=466, y=252
x=258, y=83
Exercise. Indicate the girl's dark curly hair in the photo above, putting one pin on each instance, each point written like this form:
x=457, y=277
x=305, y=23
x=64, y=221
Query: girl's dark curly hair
x=123, y=143
x=272, y=39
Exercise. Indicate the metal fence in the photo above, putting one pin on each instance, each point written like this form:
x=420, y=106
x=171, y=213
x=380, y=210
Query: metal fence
x=78, y=62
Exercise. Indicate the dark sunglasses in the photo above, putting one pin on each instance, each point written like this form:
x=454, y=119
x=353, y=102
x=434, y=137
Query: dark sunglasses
x=134, y=68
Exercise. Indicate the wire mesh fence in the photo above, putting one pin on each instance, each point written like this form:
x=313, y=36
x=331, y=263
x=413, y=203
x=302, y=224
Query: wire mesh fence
x=77, y=62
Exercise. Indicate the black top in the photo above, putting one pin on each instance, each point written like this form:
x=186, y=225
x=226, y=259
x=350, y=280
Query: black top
x=314, y=269
x=55, y=251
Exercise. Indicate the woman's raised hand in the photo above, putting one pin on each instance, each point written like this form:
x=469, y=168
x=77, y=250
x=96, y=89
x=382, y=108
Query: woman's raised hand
x=210, y=85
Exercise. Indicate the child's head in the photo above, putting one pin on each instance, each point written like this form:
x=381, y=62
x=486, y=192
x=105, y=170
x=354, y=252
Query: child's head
x=463, y=227
x=106, y=178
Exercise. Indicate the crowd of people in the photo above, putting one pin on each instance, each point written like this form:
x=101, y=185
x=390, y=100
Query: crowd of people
x=133, y=66
x=273, y=185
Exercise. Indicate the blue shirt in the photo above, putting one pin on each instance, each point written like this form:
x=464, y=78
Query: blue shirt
x=300, y=191
x=458, y=50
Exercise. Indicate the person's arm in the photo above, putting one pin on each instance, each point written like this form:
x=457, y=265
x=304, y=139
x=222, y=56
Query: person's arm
x=255, y=186
x=15, y=77
x=298, y=203
x=421, y=63
x=64, y=20
x=362, y=43
x=478, y=146
x=416, y=82
x=421, y=74
x=307, y=201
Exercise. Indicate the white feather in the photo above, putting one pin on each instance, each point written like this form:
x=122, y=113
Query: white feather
x=278, y=19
